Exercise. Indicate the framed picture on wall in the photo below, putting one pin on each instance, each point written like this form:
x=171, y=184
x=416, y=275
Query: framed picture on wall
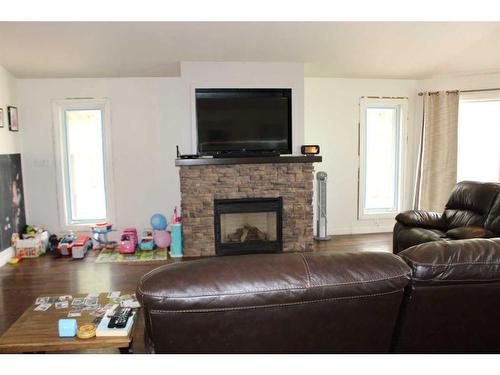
x=13, y=122
x=1, y=117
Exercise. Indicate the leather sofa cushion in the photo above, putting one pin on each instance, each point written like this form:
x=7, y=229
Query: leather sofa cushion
x=462, y=218
x=473, y=196
x=469, y=204
x=247, y=281
x=453, y=262
x=462, y=233
x=493, y=220
x=419, y=218
x=409, y=237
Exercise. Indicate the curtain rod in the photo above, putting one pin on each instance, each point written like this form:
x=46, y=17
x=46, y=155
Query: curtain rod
x=453, y=91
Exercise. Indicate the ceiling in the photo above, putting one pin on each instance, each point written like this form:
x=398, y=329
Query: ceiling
x=412, y=50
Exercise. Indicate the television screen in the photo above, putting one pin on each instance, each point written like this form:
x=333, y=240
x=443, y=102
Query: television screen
x=242, y=120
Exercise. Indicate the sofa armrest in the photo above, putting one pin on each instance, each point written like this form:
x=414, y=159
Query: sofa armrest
x=422, y=219
x=473, y=260
x=464, y=233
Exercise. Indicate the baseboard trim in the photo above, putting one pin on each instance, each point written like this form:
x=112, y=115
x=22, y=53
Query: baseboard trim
x=5, y=255
x=363, y=230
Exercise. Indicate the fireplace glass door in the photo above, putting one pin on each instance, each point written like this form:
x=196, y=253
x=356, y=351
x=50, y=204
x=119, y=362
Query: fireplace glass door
x=248, y=225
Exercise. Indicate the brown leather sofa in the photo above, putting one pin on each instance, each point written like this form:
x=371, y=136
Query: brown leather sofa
x=438, y=297
x=473, y=211
x=275, y=303
x=453, y=300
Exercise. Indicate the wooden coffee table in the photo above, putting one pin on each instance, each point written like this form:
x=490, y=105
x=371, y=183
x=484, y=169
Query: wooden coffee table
x=37, y=331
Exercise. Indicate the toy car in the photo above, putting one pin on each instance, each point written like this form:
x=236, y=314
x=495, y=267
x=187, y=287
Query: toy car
x=81, y=246
x=128, y=241
x=147, y=242
x=66, y=245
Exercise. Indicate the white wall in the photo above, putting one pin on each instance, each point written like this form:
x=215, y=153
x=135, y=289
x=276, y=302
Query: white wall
x=331, y=120
x=149, y=117
x=146, y=124
x=9, y=141
x=457, y=82
x=152, y=115
x=249, y=75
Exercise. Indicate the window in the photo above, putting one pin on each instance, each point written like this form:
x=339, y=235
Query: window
x=478, y=156
x=83, y=154
x=380, y=150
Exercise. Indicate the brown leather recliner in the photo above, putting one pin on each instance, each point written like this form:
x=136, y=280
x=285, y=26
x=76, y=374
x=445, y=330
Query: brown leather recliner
x=453, y=300
x=473, y=211
x=325, y=302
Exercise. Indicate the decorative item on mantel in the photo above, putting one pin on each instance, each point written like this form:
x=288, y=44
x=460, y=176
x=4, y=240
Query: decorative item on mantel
x=309, y=149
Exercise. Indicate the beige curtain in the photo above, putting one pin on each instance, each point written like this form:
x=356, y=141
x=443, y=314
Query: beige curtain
x=437, y=166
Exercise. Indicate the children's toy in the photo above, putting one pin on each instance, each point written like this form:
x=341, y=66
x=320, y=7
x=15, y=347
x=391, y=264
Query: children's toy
x=147, y=242
x=81, y=246
x=53, y=243
x=39, y=233
x=175, y=219
x=66, y=245
x=15, y=260
x=176, y=246
x=158, y=222
x=67, y=327
x=162, y=238
x=128, y=241
x=30, y=248
x=13, y=239
x=100, y=235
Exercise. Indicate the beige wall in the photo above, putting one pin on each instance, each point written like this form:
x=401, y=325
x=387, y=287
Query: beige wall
x=331, y=120
x=149, y=117
x=9, y=141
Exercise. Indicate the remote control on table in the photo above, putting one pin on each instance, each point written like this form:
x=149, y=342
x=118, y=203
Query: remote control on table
x=119, y=320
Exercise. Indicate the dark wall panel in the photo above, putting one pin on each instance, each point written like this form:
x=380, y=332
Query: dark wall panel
x=12, y=214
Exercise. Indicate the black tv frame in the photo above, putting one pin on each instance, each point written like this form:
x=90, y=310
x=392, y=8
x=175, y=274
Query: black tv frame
x=246, y=92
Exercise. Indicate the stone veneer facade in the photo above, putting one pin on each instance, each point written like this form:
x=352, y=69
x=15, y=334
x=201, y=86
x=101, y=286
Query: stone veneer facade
x=201, y=184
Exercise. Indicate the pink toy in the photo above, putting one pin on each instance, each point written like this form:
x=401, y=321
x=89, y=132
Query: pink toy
x=128, y=241
x=162, y=238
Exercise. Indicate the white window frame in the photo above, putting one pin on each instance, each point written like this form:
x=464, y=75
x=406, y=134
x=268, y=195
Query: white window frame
x=401, y=104
x=59, y=109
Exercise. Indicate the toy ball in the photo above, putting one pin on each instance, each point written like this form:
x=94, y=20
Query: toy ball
x=162, y=238
x=158, y=222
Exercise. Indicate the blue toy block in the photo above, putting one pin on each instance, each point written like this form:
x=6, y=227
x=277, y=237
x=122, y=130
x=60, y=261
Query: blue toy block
x=67, y=327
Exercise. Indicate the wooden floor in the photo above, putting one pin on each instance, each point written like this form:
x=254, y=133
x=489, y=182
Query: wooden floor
x=22, y=283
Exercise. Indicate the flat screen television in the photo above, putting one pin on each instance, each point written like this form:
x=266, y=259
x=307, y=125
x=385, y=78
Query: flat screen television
x=239, y=121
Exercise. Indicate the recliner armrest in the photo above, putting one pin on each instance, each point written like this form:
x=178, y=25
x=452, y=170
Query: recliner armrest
x=422, y=219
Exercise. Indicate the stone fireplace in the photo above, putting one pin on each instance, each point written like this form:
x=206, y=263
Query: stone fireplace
x=206, y=183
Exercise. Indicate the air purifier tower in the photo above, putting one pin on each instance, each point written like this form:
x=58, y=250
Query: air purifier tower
x=321, y=219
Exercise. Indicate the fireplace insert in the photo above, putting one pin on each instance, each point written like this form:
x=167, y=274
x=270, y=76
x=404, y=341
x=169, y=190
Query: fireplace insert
x=250, y=225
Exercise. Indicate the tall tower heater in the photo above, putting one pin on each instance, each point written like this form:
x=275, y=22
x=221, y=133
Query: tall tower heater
x=321, y=221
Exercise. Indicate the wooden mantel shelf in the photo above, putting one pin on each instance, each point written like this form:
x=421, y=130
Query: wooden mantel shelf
x=248, y=160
